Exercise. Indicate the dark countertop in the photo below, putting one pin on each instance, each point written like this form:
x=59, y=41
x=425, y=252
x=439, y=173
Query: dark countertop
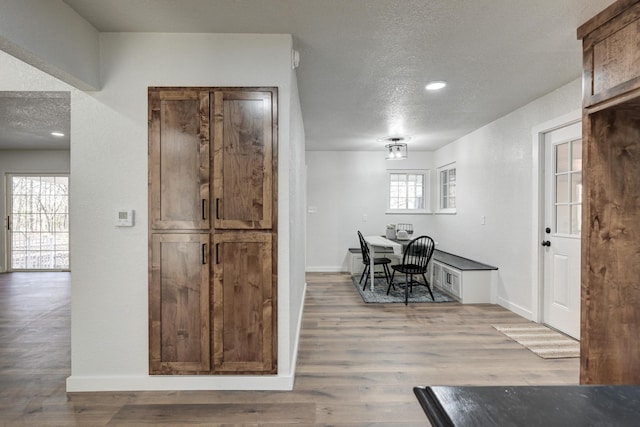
x=531, y=406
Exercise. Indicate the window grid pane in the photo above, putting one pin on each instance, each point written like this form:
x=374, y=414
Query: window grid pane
x=40, y=222
x=447, y=188
x=406, y=191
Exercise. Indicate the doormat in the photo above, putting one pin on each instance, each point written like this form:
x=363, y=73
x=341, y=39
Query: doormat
x=420, y=293
x=541, y=340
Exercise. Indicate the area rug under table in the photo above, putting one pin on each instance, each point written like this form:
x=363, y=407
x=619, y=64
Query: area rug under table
x=543, y=341
x=420, y=293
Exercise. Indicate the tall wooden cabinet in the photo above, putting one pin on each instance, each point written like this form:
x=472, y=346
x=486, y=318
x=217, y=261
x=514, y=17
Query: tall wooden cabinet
x=610, y=319
x=212, y=230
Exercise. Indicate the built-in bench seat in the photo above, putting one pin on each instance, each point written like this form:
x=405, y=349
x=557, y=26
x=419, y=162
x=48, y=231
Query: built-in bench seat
x=467, y=280
x=460, y=263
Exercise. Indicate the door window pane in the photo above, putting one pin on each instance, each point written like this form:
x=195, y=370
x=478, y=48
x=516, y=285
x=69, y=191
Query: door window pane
x=568, y=187
x=576, y=187
x=562, y=157
x=562, y=188
x=576, y=155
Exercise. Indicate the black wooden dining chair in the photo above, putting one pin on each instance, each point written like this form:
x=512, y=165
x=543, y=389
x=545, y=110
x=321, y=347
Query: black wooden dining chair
x=376, y=261
x=414, y=261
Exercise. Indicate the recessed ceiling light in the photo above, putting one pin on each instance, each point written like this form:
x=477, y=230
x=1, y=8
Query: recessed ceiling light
x=58, y=134
x=435, y=85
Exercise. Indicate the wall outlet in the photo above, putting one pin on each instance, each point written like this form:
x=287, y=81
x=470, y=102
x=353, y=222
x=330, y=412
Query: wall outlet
x=483, y=220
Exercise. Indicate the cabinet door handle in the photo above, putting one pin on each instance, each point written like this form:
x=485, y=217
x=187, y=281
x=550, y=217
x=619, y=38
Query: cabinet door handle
x=218, y=208
x=8, y=222
x=204, y=253
x=217, y=252
x=204, y=208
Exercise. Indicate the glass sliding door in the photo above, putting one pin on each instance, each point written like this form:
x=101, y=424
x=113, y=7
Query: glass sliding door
x=38, y=208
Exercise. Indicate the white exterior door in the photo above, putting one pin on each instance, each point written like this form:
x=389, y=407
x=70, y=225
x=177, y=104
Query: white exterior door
x=561, y=234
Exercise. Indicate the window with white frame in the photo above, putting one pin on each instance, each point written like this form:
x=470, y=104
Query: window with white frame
x=447, y=188
x=408, y=191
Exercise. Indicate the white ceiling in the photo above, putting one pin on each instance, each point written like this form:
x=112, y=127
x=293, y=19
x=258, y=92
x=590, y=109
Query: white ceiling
x=364, y=63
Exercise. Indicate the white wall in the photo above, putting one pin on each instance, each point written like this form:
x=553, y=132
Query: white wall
x=494, y=179
x=297, y=196
x=345, y=186
x=53, y=38
x=26, y=161
x=109, y=171
x=109, y=324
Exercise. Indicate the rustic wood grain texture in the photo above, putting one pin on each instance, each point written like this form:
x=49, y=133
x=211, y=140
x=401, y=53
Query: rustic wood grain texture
x=179, y=160
x=242, y=159
x=616, y=59
x=611, y=61
x=242, y=303
x=274, y=221
x=244, y=164
x=604, y=17
x=356, y=366
x=179, y=304
x=611, y=269
x=610, y=320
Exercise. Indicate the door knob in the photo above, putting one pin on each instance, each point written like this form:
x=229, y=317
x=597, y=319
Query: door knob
x=546, y=243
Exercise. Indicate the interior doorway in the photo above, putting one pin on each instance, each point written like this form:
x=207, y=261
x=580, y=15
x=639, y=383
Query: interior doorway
x=35, y=150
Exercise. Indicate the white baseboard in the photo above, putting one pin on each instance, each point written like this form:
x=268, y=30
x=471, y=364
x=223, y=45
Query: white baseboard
x=330, y=269
x=77, y=383
x=294, y=356
x=527, y=314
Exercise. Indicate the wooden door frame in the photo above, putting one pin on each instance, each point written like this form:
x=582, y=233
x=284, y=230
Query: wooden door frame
x=538, y=205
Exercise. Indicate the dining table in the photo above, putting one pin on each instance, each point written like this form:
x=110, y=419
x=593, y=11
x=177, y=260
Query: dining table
x=380, y=242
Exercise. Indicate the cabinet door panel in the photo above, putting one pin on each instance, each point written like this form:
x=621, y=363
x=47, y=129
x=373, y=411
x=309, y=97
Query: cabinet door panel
x=243, y=144
x=243, y=302
x=179, y=304
x=179, y=160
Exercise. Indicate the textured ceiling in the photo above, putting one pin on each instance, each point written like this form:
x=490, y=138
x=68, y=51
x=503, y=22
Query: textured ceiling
x=28, y=118
x=364, y=63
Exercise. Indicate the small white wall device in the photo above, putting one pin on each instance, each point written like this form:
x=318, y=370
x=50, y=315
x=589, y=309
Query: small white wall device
x=124, y=218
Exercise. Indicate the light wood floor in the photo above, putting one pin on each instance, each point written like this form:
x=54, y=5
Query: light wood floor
x=357, y=363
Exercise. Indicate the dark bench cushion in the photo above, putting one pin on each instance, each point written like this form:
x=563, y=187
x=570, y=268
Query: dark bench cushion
x=460, y=263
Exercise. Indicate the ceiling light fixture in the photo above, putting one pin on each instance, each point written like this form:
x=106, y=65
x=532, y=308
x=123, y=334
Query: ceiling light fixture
x=58, y=134
x=437, y=85
x=396, y=150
